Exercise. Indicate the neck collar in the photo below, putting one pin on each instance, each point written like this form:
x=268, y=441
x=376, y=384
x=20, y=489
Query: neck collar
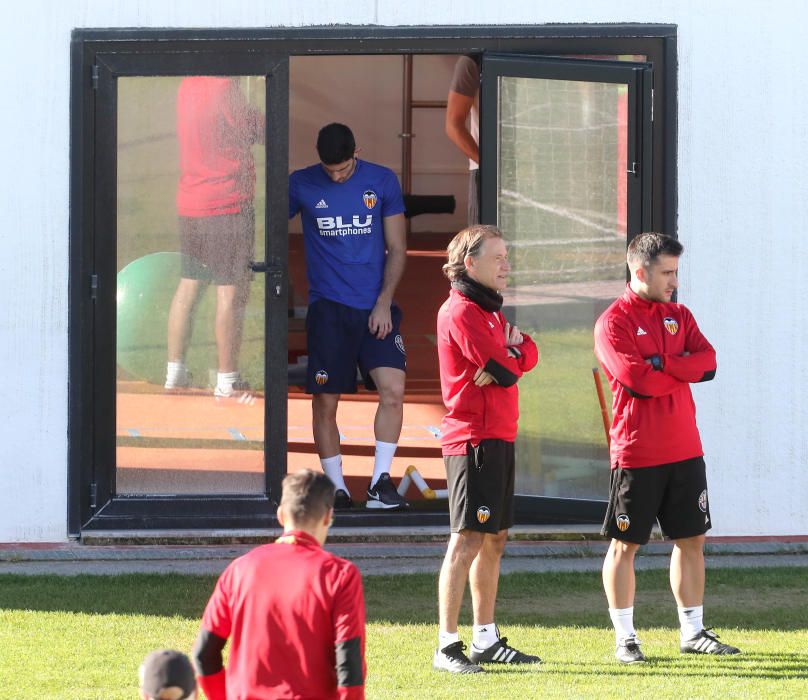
x=297, y=537
x=485, y=297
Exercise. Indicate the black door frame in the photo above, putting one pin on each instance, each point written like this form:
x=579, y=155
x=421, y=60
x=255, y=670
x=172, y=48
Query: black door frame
x=216, y=51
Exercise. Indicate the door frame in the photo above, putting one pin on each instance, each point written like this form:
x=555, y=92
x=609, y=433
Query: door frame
x=193, y=48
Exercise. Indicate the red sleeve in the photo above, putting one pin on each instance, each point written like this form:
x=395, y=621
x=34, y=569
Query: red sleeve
x=700, y=364
x=479, y=346
x=616, y=349
x=214, y=686
x=217, y=616
x=349, y=635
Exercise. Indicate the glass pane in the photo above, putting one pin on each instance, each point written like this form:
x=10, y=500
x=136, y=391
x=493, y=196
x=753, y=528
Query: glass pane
x=562, y=202
x=189, y=219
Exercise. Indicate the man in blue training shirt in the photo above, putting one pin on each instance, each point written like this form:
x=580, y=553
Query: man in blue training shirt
x=352, y=212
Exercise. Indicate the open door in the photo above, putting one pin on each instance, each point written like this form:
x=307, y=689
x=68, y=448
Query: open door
x=566, y=174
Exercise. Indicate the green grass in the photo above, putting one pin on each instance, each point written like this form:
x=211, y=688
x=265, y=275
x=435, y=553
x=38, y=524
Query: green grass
x=83, y=637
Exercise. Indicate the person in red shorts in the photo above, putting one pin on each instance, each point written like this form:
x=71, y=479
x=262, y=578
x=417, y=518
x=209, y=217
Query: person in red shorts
x=652, y=351
x=294, y=613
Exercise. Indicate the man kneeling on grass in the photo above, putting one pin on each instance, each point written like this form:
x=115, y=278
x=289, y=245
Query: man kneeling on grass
x=481, y=359
x=295, y=614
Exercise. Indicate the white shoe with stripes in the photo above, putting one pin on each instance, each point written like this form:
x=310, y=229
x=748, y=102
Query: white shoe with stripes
x=706, y=642
x=500, y=653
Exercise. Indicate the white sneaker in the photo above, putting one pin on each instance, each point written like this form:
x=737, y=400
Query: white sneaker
x=239, y=393
x=181, y=380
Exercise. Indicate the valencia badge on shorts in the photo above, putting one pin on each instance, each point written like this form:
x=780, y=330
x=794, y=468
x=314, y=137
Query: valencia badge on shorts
x=623, y=522
x=321, y=377
x=483, y=513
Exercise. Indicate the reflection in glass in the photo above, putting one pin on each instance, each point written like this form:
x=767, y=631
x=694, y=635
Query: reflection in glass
x=562, y=204
x=190, y=319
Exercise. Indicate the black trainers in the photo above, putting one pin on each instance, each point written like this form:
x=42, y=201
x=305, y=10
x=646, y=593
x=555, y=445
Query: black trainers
x=500, y=653
x=383, y=494
x=342, y=500
x=628, y=651
x=706, y=642
x=452, y=659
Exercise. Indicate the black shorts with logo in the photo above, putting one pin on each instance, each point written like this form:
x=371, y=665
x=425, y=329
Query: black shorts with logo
x=481, y=487
x=675, y=494
x=338, y=341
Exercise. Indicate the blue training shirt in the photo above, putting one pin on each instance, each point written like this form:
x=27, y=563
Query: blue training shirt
x=343, y=230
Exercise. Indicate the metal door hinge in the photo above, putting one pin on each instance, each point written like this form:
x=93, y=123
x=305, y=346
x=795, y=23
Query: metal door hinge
x=93, y=495
x=652, y=105
x=93, y=287
x=95, y=76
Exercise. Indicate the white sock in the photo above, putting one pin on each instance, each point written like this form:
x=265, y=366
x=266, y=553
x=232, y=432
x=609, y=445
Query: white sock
x=225, y=381
x=385, y=451
x=691, y=621
x=483, y=636
x=175, y=372
x=332, y=468
x=447, y=638
x=623, y=621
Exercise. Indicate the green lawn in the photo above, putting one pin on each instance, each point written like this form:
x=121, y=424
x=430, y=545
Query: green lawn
x=83, y=637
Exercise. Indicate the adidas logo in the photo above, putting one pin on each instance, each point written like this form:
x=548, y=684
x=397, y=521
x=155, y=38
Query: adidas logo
x=640, y=331
x=321, y=205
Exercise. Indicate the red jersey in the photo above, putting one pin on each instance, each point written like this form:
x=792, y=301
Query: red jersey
x=215, y=128
x=653, y=413
x=290, y=609
x=470, y=338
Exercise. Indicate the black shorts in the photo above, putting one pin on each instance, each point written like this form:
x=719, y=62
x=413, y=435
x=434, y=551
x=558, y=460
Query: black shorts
x=675, y=494
x=481, y=487
x=339, y=341
x=218, y=249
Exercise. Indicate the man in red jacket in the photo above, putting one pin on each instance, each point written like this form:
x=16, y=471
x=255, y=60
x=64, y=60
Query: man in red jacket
x=294, y=613
x=481, y=358
x=651, y=351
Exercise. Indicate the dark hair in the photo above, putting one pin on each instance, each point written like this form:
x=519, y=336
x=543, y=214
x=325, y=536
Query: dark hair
x=468, y=242
x=647, y=247
x=307, y=496
x=335, y=144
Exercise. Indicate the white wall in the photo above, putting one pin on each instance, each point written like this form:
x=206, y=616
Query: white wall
x=743, y=214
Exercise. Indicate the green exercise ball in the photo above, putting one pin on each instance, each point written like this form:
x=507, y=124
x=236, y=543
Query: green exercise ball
x=145, y=289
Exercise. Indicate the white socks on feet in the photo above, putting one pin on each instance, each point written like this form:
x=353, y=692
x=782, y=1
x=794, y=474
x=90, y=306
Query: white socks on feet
x=623, y=621
x=483, y=636
x=447, y=638
x=332, y=468
x=385, y=451
x=691, y=622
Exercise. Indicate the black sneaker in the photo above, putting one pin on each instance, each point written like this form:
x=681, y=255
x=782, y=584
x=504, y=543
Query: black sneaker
x=342, y=500
x=452, y=659
x=628, y=651
x=500, y=653
x=384, y=495
x=706, y=642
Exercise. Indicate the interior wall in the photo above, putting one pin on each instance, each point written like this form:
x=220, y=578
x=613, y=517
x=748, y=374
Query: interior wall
x=365, y=92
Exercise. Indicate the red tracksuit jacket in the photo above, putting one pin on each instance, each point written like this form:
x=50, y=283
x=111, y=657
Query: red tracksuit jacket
x=653, y=414
x=469, y=338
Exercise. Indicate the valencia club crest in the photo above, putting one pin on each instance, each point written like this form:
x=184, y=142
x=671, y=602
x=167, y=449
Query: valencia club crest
x=370, y=199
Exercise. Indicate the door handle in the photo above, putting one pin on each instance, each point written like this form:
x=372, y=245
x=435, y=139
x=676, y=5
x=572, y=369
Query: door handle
x=258, y=266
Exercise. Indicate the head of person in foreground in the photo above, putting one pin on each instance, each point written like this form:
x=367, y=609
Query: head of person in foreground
x=479, y=253
x=653, y=262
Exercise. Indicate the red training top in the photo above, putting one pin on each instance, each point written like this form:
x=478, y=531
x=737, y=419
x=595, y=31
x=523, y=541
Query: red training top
x=653, y=414
x=294, y=613
x=215, y=129
x=470, y=338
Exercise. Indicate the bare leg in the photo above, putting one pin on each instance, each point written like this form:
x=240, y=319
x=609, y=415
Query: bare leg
x=687, y=571
x=324, y=424
x=390, y=413
x=464, y=546
x=618, y=574
x=231, y=301
x=484, y=577
x=180, y=318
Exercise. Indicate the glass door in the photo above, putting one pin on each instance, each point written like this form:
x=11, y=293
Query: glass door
x=190, y=415
x=565, y=153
